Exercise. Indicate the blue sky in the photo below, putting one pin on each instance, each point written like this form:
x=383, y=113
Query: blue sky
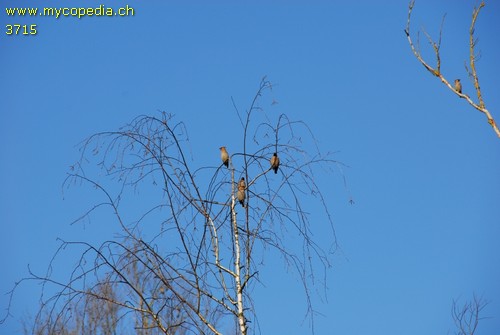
x=423, y=165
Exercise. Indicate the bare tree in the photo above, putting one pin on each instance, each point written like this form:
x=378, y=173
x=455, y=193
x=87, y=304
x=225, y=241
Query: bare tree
x=188, y=263
x=467, y=317
x=97, y=312
x=436, y=70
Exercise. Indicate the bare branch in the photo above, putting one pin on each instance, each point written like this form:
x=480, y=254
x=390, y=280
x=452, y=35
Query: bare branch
x=467, y=317
x=457, y=88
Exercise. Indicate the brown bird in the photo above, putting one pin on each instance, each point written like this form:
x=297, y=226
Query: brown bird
x=242, y=184
x=275, y=162
x=241, y=191
x=458, y=86
x=224, y=156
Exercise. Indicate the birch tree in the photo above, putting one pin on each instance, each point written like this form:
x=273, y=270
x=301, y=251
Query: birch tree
x=189, y=263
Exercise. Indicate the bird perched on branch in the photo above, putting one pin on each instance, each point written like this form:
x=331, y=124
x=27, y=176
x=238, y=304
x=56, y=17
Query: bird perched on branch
x=242, y=184
x=458, y=86
x=224, y=156
x=275, y=162
x=241, y=191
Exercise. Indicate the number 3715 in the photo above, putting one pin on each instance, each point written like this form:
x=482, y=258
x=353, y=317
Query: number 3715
x=24, y=29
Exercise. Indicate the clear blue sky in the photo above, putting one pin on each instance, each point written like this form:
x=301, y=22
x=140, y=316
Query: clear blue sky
x=424, y=166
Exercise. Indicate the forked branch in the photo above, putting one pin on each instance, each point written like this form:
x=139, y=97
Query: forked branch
x=467, y=317
x=436, y=71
